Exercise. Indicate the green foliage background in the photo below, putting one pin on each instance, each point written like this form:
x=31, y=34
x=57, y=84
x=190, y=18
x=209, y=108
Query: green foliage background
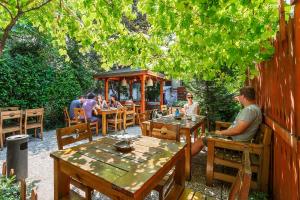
x=33, y=75
x=9, y=190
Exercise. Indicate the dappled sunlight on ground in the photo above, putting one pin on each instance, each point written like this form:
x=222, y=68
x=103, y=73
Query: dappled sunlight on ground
x=40, y=166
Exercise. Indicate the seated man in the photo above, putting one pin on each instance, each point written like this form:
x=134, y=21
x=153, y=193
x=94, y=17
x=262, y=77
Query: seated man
x=191, y=108
x=245, y=124
x=77, y=103
x=89, y=107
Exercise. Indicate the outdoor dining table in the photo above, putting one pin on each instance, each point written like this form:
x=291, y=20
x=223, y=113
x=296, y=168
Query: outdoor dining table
x=187, y=128
x=120, y=175
x=104, y=113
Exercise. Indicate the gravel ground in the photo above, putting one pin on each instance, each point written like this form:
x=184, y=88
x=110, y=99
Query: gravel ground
x=40, y=169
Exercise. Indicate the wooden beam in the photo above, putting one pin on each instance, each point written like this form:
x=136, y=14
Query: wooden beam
x=106, y=89
x=143, y=94
x=161, y=93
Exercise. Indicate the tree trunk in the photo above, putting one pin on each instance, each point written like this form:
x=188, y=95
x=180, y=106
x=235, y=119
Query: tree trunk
x=7, y=30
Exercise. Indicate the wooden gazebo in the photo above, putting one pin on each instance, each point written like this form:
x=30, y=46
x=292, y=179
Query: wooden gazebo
x=131, y=76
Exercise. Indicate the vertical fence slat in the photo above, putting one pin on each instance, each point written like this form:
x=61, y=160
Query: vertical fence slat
x=278, y=91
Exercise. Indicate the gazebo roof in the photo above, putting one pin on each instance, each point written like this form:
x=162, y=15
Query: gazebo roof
x=128, y=72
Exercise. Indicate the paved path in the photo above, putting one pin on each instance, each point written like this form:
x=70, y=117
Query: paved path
x=40, y=169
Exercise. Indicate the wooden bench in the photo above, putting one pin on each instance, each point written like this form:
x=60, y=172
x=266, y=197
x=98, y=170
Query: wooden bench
x=226, y=153
x=239, y=189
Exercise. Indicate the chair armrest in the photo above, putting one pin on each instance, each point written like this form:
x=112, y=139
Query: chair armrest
x=234, y=145
x=220, y=124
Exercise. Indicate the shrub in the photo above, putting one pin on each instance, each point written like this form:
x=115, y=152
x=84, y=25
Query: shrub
x=9, y=190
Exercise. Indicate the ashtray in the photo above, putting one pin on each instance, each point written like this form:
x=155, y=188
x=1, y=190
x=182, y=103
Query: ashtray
x=123, y=146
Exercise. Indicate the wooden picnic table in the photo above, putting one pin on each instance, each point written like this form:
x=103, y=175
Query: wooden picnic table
x=187, y=128
x=120, y=175
x=104, y=113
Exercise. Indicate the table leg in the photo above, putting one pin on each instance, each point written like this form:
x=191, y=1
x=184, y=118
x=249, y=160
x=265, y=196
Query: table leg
x=188, y=153
x=61, y=182
x=104, y=126
x=196, y=135
x=179, y=177
x=203, y=128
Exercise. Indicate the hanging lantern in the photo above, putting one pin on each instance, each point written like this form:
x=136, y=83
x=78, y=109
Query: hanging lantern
x=149, y=83
x=124, y=82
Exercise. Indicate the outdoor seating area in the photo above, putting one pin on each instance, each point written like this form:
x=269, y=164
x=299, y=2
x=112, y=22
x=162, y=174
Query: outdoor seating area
x=149, y=100
x=15, y=121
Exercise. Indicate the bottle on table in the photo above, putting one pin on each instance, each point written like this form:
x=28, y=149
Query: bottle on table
x=177, y=113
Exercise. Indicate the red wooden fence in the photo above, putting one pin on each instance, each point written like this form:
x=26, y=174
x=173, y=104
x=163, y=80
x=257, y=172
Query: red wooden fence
x=278, y=91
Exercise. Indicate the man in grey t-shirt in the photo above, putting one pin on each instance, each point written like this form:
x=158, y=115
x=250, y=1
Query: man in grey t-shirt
x=245, y=124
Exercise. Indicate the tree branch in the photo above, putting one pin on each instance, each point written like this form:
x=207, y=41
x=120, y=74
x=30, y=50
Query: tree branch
x=37, y=7
x=11, y=16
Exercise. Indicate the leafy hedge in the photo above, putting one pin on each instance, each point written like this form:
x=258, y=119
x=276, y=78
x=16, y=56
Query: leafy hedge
x=9, y=190
x=29, y=82
x=33, y=75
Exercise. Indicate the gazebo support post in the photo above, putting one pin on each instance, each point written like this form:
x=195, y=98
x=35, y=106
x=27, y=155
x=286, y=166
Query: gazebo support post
x=130, y=88
x=161, y=93
x=106, y=89
x=143, y=99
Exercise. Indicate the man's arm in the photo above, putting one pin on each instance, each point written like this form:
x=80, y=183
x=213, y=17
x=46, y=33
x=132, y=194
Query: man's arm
x=240, y=127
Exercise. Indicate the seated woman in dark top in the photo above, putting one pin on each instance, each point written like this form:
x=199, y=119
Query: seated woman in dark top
x=114, y=103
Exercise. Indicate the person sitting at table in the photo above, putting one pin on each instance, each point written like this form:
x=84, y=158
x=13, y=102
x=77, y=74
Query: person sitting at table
x=114, y=103
x=101, y=102
x=77, y=103
x=191, y=108
x=129, y=101
x=245, y=125
x=90, y=108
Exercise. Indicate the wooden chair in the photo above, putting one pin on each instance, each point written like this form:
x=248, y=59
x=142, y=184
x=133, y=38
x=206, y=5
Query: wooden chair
x=70, y=135
x=33, y=195
x=165, y=131
x=68, y=120
x=118, y=120
x=169, y=132
x=16, y=126
x=34, y=120
x=130, y=115
x=226, y=153
x=80, y=117
x=141, y=117
x=9, y=109
x=239, y=189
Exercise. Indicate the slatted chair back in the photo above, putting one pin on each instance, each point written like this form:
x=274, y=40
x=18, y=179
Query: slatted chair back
x=165, y=131
x=5, y=115
x=120, y=115
x=263, y=135
x=145, y=116
x=9, y=109
x=130, y=107
x=16, y=126
x=73, y=134
x=68, y=120
x=241, y=186
x=34, y=120
x=66, y=115
x=37, y=113
x=80, y=115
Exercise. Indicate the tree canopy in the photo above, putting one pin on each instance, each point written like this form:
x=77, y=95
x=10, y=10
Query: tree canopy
x=205, y=38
